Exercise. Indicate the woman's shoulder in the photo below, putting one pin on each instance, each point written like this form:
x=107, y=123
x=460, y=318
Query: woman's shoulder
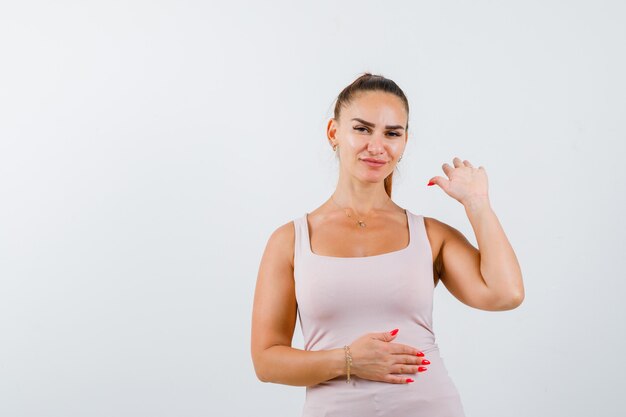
x=281, y=242
x=439, y=232
x=435, y=228
x=432, y=221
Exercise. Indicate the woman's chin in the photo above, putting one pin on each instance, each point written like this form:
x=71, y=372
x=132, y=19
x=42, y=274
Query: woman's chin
x=374, y=177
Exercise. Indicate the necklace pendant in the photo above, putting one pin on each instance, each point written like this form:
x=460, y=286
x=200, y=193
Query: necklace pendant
x=361, y=223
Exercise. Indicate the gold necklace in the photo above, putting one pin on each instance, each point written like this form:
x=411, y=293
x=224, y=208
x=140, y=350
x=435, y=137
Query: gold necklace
x=360, y=223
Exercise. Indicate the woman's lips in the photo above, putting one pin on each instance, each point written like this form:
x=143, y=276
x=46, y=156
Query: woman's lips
x=373, y=164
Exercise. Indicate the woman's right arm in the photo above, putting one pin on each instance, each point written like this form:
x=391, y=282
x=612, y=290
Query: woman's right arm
x=274, y=317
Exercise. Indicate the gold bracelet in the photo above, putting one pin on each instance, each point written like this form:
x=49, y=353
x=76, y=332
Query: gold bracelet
x=346, y=348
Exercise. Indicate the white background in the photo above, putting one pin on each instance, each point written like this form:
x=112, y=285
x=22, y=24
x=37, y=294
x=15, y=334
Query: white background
x=149, y=149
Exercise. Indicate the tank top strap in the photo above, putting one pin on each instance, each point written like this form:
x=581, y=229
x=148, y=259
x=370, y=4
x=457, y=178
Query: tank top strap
x=418, y=232
x=413, y=225
x=299, y=249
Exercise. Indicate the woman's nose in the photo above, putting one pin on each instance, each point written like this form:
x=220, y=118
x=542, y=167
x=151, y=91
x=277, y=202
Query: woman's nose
x=375, y=144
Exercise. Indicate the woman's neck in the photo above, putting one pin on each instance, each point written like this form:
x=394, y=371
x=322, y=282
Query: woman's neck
x=363, y=199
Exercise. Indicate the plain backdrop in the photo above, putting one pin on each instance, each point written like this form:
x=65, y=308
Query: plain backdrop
x=148, y=149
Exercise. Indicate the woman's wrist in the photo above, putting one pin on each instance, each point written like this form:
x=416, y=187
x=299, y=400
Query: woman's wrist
x=338, y=362
x=348, y=359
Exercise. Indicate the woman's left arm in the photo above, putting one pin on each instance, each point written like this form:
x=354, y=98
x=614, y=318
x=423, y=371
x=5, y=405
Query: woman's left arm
x=487, y=278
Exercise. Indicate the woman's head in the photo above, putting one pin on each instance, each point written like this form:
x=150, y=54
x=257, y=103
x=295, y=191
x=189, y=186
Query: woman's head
x=370, y=122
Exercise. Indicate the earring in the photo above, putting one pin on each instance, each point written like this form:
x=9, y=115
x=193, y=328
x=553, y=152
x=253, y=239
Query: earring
x=400, y=159
x=334, y=147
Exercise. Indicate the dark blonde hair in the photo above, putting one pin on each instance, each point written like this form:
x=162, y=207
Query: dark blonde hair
x=370, y=82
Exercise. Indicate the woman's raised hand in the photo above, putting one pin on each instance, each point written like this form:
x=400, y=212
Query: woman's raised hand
x=376, y=358
x=464, y=183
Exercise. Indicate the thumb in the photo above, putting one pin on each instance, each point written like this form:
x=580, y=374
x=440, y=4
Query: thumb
x=386, y=336
x=440, y=181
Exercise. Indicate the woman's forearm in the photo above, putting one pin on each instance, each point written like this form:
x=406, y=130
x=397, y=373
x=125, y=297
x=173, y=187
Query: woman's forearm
x=290, y=366
x=498, y=264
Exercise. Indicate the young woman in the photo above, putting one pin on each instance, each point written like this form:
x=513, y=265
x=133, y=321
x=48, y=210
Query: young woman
x=360, y=271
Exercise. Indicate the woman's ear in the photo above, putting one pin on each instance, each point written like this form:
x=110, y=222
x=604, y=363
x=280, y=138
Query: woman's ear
x=331, y=130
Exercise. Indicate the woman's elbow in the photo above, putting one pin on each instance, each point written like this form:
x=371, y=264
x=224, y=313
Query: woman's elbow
x=512, y=302
x=259, y=370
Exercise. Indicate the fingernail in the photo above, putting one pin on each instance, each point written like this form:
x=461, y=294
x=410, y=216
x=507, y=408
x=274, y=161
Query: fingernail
x=431, y=183
x=419, y=354
x=425, y=362
x=422, y=369
x=394, y=331
x=409, y=380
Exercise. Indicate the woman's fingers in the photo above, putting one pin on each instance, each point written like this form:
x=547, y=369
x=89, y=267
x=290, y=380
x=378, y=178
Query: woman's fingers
x=401, y=368
x=410, y=360
x=402, y=349
x=405, y=354
x=398, y=373
x=457, y=162
x=397, y=379
x=408, y=364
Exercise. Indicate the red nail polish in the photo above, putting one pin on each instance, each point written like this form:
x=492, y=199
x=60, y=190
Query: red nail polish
x=419, y=354
x=422, y=369
x=394, y=331
x=409, y=380
x=431, y=183
x=425, y=362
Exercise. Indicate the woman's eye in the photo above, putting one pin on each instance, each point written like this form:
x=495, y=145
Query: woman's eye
x=365, y=129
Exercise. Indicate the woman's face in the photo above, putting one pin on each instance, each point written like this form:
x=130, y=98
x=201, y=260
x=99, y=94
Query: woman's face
x=371, y=127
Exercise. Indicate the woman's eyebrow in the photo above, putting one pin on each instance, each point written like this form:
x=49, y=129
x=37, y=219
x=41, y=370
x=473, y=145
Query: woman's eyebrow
x=370, y=124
